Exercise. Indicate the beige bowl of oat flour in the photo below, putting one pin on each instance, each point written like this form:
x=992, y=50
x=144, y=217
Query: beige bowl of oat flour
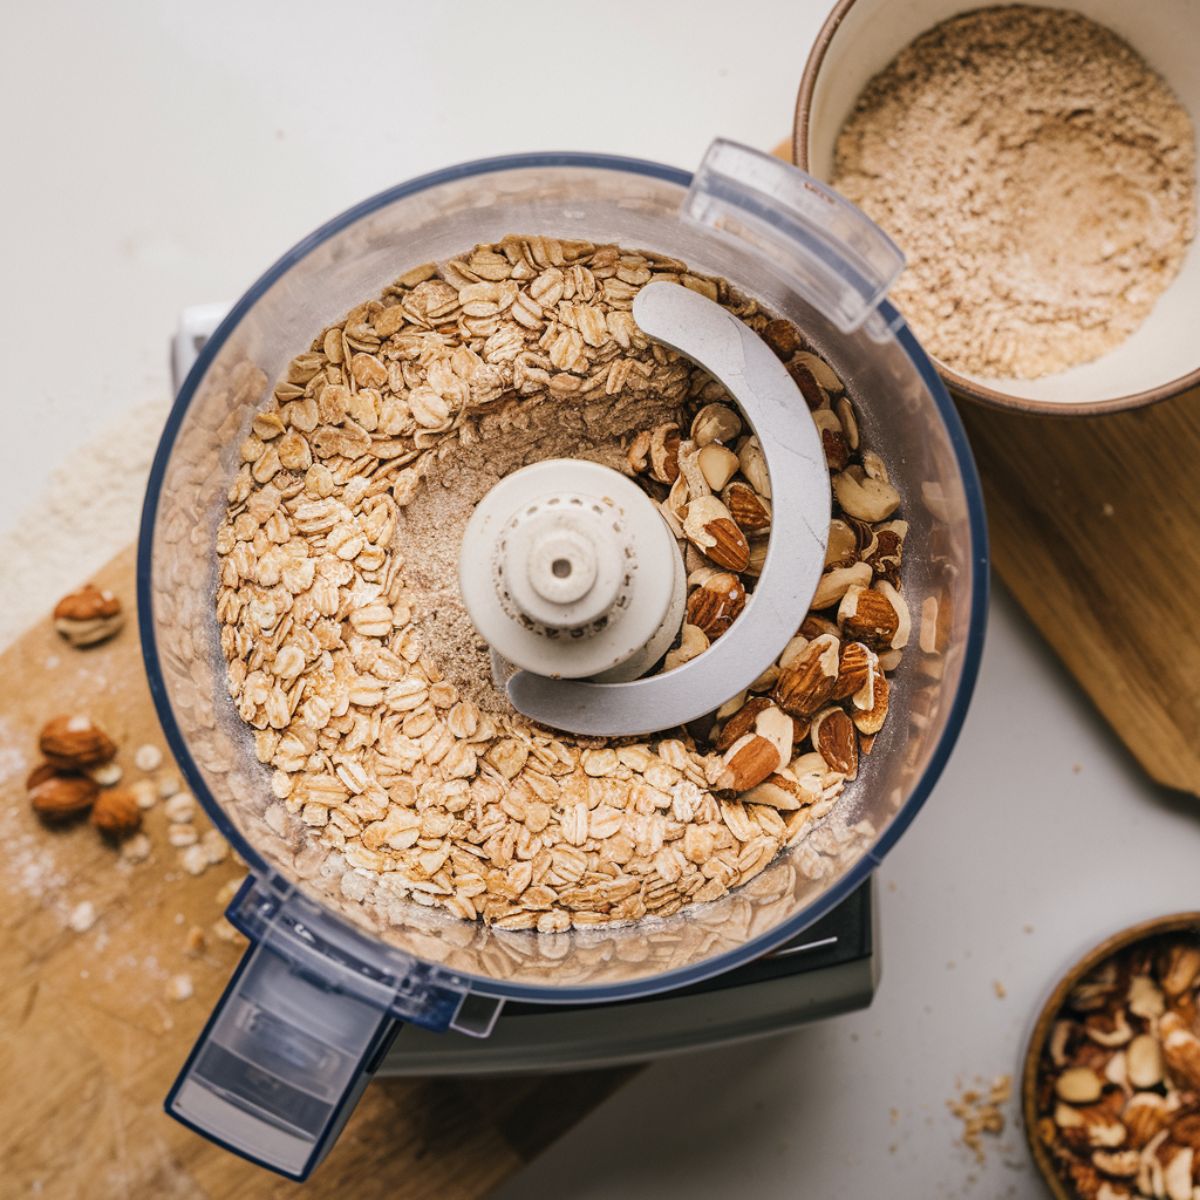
x=1047, y=208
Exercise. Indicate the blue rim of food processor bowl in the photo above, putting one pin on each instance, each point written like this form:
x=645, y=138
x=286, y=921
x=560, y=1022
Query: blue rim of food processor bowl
x=683, y=976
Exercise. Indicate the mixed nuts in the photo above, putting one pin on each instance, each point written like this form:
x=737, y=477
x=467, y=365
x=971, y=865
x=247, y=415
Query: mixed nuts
x=1118, y=1093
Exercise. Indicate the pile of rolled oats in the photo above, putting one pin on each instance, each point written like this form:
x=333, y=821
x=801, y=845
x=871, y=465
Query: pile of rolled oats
x=350, y=654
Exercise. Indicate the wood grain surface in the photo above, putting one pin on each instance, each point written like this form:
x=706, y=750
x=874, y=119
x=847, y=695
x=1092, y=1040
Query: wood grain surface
x=89, y=1041
x=1095, y=527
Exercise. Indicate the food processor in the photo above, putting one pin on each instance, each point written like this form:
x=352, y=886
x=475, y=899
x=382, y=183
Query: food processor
x=315, y=1005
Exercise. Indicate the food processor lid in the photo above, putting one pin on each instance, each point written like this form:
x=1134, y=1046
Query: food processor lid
x=311, y=1009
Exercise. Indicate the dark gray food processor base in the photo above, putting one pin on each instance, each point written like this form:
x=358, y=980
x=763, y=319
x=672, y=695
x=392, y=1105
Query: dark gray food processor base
x=831, y=968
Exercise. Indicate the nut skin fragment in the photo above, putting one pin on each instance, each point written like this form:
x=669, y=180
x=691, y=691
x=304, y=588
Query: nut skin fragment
x=88, y=616
x=74, y=743
x=116, y=814
x=664, y=452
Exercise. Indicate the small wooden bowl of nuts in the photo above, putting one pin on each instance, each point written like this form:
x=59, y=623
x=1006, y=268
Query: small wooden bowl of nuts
x=1111, y=1084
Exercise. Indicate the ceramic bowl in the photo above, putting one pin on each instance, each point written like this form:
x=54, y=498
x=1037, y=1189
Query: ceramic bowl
x=1162, y=357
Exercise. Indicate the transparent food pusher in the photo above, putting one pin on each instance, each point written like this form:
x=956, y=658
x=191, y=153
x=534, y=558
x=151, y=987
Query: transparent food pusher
x=316, y=1000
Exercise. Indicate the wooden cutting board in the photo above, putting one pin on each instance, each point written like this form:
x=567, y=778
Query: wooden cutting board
x=1095, y=527
x=89, y=1041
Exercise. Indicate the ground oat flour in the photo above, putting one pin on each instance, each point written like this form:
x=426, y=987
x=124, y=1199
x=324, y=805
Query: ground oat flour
x=1039, y=175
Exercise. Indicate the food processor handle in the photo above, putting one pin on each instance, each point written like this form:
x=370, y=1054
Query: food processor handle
x=805, y=233
x=280, y=1064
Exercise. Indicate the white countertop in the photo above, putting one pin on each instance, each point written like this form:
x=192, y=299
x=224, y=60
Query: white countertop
x=163, y=155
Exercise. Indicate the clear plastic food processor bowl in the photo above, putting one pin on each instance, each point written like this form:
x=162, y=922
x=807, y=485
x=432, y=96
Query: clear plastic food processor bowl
x=311, y=1007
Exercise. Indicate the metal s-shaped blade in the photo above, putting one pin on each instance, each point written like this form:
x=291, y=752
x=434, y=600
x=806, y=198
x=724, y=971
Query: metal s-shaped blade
x=716, y=340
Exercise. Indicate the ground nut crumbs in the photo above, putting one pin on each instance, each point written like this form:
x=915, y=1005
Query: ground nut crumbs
x=1040, y=177
x=350, y=654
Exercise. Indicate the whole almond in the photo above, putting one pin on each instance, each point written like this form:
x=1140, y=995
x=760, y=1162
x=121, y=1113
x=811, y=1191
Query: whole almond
x=709, y=527
x=748, y=762
x=73, y=742
x=778, y=728
x=835, y=739
x=116, y=813
x=62, y=796
x=88, y=616
x=716, y=603
x=750, y=512
x=807, y=684
x=855, y=667
x=867, y=615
